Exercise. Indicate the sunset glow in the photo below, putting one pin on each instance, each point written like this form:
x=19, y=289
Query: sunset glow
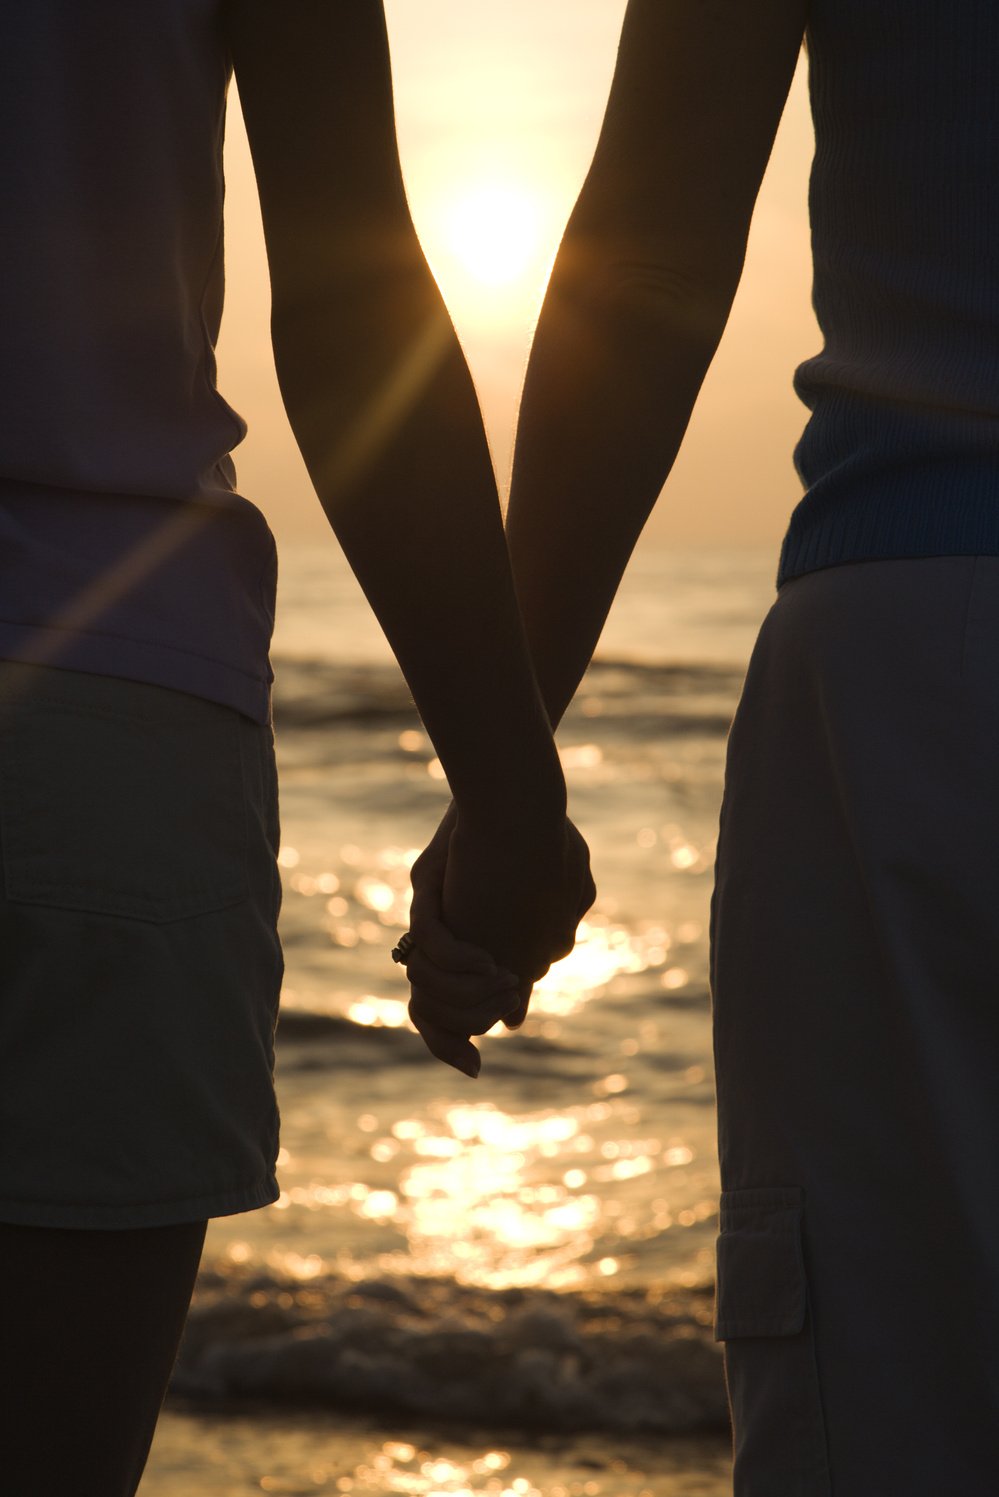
x=493, y=229
x=498, y=109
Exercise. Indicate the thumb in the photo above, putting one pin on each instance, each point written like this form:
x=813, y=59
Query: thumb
x=443, y=1044
x=516, y=1017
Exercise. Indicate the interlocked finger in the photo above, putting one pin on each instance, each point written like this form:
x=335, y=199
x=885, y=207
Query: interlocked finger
x=460, y=989
x=460, y=1019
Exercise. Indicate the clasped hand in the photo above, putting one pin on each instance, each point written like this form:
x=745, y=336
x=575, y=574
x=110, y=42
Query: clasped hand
x=491, y=911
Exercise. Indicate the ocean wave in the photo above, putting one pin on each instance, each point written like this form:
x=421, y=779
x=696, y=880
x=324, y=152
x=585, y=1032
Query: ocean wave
x=331, y=1041
x=316, y=693
x=626, y=1361
x=699, y=696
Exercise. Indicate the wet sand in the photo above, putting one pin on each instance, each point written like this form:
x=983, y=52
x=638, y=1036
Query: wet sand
x=247, y=1451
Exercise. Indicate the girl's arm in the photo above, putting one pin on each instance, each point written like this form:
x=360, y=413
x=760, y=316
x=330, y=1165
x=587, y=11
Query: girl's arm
x=383, y=408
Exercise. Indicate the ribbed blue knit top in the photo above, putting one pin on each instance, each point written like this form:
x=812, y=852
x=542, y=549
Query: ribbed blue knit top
x=901, y=454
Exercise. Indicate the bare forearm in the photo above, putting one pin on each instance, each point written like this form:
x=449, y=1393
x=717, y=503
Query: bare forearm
x=379, y=396
x=638, y=300
x=385, y=414
x=617, y=363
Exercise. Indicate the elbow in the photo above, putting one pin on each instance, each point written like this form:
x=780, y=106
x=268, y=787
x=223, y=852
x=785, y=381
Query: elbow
x=693, y=303
x=673, y=295
x=635, y=268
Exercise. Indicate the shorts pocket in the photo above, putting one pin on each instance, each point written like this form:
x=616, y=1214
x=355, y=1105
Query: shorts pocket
x=762, y=1314
x=131, y=805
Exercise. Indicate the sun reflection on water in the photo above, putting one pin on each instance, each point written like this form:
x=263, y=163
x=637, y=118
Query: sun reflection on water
x=485, y=1196
x=556, y=1196
x=390, y=1012
x=603, y=951
x=404, y=1468
x=367, y=901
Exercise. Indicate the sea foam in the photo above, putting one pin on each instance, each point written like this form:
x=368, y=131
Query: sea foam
x=626, y=1361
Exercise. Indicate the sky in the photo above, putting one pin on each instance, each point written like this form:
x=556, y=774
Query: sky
x=498, y=108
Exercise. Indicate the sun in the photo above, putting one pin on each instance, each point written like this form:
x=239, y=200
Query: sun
x=493, y=230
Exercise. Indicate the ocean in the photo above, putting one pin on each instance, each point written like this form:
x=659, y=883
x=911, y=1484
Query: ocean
x=501, y=1285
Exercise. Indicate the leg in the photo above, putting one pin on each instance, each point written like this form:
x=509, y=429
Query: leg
x=91, y=1324
x=855, y=946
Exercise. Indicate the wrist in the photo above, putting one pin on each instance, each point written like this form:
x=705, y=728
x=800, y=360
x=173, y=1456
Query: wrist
x=519, y=796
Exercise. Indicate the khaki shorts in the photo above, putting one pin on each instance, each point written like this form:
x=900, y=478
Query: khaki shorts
x=140, y=965
x=855, y=995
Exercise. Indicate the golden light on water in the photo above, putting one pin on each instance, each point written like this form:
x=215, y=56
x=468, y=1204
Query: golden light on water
x=484, y=1195
x=498, y=1198
x=370, y=1009
x=602, y=951
x=375, y=893
x=367, y=900
x=476, y=1186
x=580, y=755
x=402, y=1467
x=495, y=1196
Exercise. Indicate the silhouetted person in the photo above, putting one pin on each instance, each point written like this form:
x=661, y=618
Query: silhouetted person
x=141, y=966
x=855, y=913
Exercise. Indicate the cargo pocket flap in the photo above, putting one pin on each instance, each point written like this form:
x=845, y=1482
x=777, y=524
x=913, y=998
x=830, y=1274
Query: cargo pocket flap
x=760, y=1267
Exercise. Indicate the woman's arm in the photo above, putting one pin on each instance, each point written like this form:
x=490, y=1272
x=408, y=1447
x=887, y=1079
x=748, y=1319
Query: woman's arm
x=379, y=396
x=637, y=302
x=383, y=408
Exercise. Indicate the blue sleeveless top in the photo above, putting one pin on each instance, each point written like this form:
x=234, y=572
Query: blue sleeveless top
x=901, y=454
x=124, y=548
